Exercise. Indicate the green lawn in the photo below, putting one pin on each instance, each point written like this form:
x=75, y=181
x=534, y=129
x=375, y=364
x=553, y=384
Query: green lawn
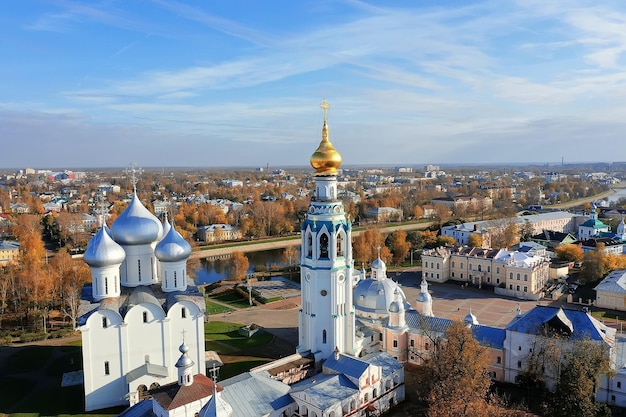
x=224, y=338
x=233, y=298
x=214, y=308
x=608, y=315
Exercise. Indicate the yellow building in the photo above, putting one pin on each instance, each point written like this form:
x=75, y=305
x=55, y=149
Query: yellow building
x=9, y=252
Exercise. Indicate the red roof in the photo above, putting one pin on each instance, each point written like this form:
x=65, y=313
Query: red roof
x=172, y=395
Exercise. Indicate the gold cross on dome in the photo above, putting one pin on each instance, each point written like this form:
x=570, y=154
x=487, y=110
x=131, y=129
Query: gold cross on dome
x=325, y=106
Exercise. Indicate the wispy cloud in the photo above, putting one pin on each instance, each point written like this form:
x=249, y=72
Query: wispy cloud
x=437, y=82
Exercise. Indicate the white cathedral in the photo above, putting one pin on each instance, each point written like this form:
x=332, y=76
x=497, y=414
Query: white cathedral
x=132, y=350
x=142, y=309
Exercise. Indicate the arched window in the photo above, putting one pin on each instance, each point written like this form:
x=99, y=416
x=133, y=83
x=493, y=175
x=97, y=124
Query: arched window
x=340, y=244
x=324, y=336
x=324, y=246
x=142, y=390
x=309, y=245
x=106, y=285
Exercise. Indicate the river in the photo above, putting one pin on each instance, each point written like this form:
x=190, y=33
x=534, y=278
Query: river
x=216, y=270
x=615, y=197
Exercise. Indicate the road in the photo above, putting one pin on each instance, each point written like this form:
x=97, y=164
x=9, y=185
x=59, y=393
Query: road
x=279, y=243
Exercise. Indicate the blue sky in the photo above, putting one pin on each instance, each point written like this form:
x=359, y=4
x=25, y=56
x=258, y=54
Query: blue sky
x=238, y=83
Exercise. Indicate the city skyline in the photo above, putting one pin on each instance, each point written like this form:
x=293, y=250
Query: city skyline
x=165, y=83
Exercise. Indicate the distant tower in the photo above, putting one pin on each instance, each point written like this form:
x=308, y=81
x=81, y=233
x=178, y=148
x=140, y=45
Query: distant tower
x=326, y=319
x=424, y=302
x=621, y=230
x=185, y=367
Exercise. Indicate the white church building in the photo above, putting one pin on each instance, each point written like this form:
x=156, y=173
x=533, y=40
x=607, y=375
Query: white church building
x=142, y=308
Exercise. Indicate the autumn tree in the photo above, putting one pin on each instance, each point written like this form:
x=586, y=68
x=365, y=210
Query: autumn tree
x=70, y=277
x=442, y=213
x=475, y=240
x=579, y=378
x=418, y=212
x=238, y=265
x=398, y=245
x=34, y=280
x=526, y=231
x=366, y=244
x=429, y=238
x=503, y=232
x=445, y=240
x=569, y=253
x=71, y=229
x=595, y=265
x=7, y=286
x=460, y=375
x=290, y=255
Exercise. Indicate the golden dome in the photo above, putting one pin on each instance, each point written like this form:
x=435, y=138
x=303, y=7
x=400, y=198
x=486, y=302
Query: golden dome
x=325, y=160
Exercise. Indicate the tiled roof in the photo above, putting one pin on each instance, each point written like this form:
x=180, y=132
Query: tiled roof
x=582, y=324
x=594, y=223
x=486, y=335
x=326, y=390
x=615, y=282
x=251, y=395
x=172, y=395
x=347, y=365
x=387, y=363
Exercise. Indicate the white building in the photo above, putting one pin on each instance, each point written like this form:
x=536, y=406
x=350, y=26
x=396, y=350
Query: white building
x=512, y=273
x=592, y=227
x=559, y=221
x=611, y=291
x=142, y=309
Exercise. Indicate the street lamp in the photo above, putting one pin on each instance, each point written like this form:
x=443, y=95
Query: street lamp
x=413, y=250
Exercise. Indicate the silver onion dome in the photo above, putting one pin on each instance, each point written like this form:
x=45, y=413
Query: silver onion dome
x=172, y=247
x=136, y=225
x=102, y=250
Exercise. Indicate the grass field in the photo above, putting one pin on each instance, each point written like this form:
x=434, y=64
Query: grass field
x=233, y=298
x=214, y=308
x=224, y=338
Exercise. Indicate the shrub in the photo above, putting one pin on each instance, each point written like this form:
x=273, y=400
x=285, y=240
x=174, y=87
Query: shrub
x=33, y=337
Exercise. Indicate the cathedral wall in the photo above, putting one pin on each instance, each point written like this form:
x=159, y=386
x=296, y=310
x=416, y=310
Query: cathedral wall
x=104, y=381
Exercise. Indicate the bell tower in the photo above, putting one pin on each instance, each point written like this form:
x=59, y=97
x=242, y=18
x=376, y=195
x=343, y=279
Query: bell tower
x=326, y=319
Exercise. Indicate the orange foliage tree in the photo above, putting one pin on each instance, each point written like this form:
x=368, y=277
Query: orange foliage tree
x=569, y=253
x=460, y=379
x=365, y=247
x=238, y=264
